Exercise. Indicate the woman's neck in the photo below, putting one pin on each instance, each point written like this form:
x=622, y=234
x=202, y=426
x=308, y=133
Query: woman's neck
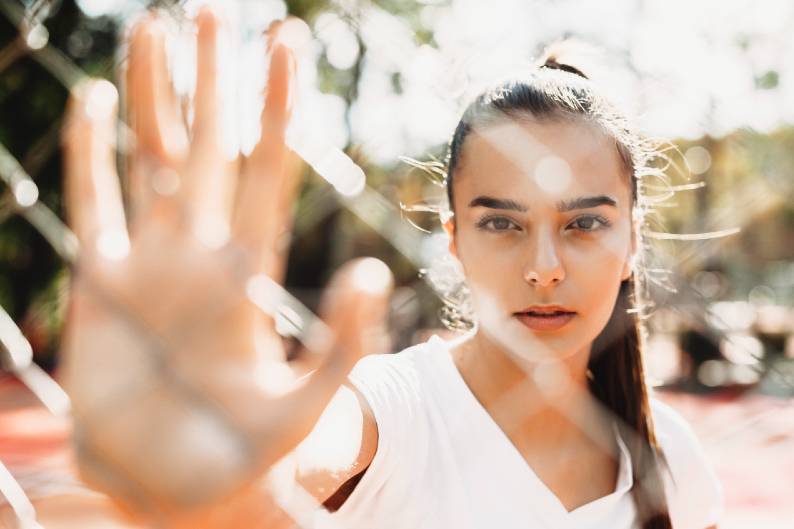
x=547, y=404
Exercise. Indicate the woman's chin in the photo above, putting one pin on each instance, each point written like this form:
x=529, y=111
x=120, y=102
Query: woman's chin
x=525, y=345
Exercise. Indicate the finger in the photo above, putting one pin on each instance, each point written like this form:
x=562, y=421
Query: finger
x=151, y=101
x=92, y=193
x=207, y=186
x=294, y=33
x=266, y=191
x=206, y=99
x=161, y=139
x=273, y=264
x=356, y=311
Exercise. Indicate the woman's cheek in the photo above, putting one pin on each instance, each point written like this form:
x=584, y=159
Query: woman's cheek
x=614, y=242
x=603, y=254
x=597, y=288
x=492, y=274
x=485, y=255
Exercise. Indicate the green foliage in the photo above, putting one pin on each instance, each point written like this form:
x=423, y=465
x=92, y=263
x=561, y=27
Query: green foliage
x=33, y=278
x=768, y=80
x=32, y=103
x=307, y=9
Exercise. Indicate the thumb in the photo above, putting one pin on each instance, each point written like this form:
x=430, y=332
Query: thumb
x=354, y=308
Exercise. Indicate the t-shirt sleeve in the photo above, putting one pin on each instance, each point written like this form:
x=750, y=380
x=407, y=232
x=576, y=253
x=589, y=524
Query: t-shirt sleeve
x=695, y=496
x=390, y=386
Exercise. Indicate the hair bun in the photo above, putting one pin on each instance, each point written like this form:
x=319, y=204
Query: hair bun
x=557, y=56
x=552, y=64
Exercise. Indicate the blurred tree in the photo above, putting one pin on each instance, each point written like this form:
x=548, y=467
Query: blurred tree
x=748, y=174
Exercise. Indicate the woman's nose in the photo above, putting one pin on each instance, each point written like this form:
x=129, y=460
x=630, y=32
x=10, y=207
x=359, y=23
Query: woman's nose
x=543, y=266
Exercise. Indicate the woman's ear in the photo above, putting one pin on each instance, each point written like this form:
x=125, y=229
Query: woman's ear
x=448, y=223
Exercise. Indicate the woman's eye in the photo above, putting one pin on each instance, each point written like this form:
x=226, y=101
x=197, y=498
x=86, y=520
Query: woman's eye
x=497, y=224
x=588, y=223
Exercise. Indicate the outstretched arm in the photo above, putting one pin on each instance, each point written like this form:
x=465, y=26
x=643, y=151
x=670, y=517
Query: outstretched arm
x=338, y=451
x=181, y=394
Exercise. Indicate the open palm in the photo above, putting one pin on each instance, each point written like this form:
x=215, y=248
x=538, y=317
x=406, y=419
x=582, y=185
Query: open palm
x=181, y=393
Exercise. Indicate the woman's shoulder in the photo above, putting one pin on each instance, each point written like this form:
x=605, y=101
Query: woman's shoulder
x=694, y=492
x=407, y=364
x=393, y=384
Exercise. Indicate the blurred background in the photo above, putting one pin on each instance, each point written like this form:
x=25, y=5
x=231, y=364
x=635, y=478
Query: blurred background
x=385, y=81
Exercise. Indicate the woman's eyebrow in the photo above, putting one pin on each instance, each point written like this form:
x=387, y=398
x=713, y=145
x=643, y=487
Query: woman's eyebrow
x=497, y=203
x=586, y=202
x=562, y=205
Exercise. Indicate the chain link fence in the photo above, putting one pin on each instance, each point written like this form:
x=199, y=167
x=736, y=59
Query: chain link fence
x=21, y=199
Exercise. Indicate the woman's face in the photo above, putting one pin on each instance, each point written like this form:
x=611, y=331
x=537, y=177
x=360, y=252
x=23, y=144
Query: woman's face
x=543, y=230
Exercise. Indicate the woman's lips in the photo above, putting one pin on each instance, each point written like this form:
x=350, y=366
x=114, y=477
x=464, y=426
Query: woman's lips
x=545, y=321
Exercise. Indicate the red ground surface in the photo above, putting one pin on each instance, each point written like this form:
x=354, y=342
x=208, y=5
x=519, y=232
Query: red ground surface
x=750, y=440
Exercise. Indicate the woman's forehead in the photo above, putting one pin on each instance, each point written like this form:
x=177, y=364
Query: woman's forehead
x=552, y=159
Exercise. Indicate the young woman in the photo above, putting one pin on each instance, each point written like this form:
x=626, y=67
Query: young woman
x=537, y=417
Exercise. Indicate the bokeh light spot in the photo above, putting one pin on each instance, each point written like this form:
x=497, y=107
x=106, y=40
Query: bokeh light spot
x=709, y=284
x=37, y=37
x=26, y=193
x=165, y=182
x=212, y=232
x=742, y=349
x=698, y=159
x=113, y=244
x=713, y=373
x=553, y=174
x=762, y=295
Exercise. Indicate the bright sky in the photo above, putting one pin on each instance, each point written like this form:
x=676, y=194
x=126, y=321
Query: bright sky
x=683, y=68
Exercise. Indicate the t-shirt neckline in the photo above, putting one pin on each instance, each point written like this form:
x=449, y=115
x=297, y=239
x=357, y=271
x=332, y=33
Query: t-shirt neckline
x=598, y=507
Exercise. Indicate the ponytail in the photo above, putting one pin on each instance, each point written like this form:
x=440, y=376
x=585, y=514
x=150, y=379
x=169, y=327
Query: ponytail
x=618, y=382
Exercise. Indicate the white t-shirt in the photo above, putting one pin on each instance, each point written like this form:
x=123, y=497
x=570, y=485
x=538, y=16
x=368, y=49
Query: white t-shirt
x=443, y=463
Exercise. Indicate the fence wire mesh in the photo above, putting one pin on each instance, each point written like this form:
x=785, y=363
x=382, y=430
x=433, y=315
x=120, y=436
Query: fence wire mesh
x=384, y=217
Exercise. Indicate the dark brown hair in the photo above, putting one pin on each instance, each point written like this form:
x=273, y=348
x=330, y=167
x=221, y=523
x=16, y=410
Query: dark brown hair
x=556, y=90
